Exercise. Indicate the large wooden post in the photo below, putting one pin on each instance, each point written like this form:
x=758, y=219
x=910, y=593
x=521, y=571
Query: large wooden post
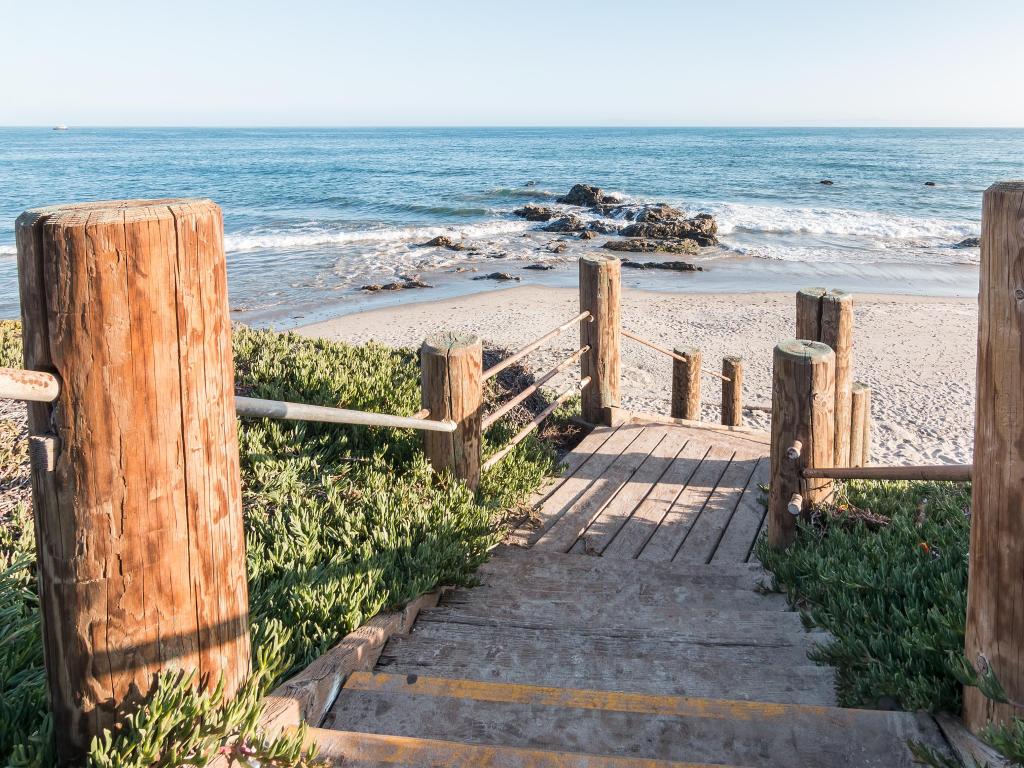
x=803, y=399
x=686, y=384
x=452, y=384
x=827, y=316
x=732, y=391
x=141, y=552
x=995, y=621
x=600, y=289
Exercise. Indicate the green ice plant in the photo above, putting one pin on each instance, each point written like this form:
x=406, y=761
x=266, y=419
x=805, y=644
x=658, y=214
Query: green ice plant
x=341, y=522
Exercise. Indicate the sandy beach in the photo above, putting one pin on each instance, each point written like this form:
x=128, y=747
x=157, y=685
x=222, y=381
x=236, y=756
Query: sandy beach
x=917, y=353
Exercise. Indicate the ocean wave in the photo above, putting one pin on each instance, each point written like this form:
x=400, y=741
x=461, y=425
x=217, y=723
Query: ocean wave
x=514, y=193
x=311, y=237
x=8, y=250
x=906, y=231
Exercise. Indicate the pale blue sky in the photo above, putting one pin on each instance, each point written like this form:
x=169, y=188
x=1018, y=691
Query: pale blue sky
x=455, y=62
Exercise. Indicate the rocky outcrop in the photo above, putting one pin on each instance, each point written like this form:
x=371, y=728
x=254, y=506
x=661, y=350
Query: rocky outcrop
x=532, y=212
x=701, y=229
x=568, y=223
x=604, y=227
x=675, y=266
x=400, y=285
x=930, y=184
x=498, y=276
x=827, y=182
x=588, y=234
x=642, y=245
x=586, y=196
x=443, y=241
x=539, y=267
x=969, y=242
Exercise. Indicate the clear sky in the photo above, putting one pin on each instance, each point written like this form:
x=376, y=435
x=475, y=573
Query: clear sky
x=521, y=62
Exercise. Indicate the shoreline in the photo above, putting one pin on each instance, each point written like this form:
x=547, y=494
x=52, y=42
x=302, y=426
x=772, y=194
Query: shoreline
x=916, y=352
x=728, y=275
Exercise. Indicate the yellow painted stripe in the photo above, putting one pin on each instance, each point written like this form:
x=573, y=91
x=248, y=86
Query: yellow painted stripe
x=344, y=748
x=609, y=701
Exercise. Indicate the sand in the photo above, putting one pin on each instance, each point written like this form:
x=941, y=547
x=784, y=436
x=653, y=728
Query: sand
x=917, y=353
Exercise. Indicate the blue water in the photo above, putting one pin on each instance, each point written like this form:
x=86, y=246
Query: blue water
x=313, y=214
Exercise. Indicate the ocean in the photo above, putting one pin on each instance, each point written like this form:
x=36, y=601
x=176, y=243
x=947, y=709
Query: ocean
x=312, y=215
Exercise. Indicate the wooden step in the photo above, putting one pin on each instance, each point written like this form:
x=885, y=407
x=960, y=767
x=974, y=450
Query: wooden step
x=518, y=562
x=370, y=750
x=640, y=665
x=700, y=730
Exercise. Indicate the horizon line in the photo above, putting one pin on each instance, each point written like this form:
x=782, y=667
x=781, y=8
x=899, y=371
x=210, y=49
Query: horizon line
x=498, y=126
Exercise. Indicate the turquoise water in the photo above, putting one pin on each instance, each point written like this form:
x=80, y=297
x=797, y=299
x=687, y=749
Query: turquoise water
x=313, y=214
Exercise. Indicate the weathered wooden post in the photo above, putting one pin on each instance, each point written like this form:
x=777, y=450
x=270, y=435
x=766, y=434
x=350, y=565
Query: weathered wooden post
x=686, y=398
x=995, y=622
x=860, y=424
x=803, y=423
x=141, y=552
x=827, y=316
x=600, y=290
x=732, y=391
x=452, y=386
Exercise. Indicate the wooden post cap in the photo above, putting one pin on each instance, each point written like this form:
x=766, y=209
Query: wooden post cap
x=690, y=353
x=810, y=351
x=443, y=342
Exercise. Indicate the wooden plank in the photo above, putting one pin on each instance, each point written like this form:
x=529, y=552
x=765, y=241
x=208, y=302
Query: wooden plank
x=676, y=524
x=630, y=495
x=748, y=436
x=652, y=665
x=702, y=540
x=682, y=622
x=768, y=735
x=515, y=563
x=969, y=749
x=741, y=533
x=639, y=529
x=561, y=536
x=363, y=750
x=574, y=486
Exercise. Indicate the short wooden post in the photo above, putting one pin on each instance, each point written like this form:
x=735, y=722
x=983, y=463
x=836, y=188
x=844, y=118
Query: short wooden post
x=827, y=316
x=600, y=289
x=141, y=552
x=732, y=391
x=995, y=622
x=803, y=423
x=808, y=313
x=452, y=386
x=686, y=384
x=860, y=424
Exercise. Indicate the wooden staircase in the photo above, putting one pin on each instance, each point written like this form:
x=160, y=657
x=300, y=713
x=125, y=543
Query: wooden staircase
x=561, y=657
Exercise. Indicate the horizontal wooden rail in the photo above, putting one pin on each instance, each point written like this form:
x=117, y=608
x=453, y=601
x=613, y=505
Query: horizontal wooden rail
x=494, y=370
x=669, y=352
x=493, y=417
x=36, y=386
x=278, y=409
x=951, y=472
x=521, y=435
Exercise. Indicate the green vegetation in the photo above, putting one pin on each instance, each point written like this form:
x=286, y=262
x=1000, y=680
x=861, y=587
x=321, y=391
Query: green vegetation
x=884, y=570
x=342, y=522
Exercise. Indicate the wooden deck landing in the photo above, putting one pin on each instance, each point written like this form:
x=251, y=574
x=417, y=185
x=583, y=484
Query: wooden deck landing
x=655, y=491
x=628, y=629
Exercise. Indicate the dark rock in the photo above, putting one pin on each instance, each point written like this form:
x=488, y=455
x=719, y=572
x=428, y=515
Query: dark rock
x=443, y=241
x=400, y=285
x=701, y=228
x=559, y=247
x=969, y=242
x=588, y=234
x=641, y=245
x=604, y=227
x=827, y=182
x=587, y=196
x=675, y=266
x=532, y=212
x=530, y=184
x=659, y=212
x=568, y=223
x=498, y=276
x=929, y=184
x=539, y=267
